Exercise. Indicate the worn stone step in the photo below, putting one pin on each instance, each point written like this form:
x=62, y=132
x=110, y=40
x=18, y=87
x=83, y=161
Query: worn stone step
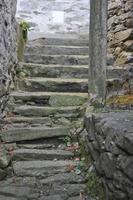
x=52, y=197
x=56, y=59
x=62, y=71
x=52, y=71
x=32, y=133
x=2, y=197
x=64, y=178
x=62, y=59
x=56, y=50
x=67, y=190
x=53, y=85
x=59, y=41
x=18, y=193
x=39, y=111
x=35, y=154
x=41, y=168
x=50, y=98
x=28, y=121
x=36, y=146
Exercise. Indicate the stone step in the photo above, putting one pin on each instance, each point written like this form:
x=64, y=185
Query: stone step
x=32, y=133
x=36, y=145
x=59, y=41
x=62, y=71
x=18, y=193
x=53, y=85
x=62, y=59
x=35, y=154
x=41, y=168
x=56, y=50
x=57, y=59
x=65, y=178
x=50, y=98
x=28, y=121
x=52, y=71
x=39, y=111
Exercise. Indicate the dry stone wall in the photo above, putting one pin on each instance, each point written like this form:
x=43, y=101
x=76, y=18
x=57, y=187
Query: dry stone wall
x=120, y=30
x=109, y=138
x=7, y=49
x=120, y=44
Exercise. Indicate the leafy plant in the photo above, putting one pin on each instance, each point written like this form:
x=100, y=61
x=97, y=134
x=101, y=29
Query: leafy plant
x=25, y=28
x=67, y=140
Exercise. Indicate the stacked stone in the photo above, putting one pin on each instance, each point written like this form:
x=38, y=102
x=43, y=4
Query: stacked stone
x=120, y=44
x=109, y=139
x=120, y=30
x=7, y=49
x=4, y=161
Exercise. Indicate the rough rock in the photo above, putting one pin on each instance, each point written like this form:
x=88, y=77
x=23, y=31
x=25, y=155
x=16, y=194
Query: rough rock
x=113, y=160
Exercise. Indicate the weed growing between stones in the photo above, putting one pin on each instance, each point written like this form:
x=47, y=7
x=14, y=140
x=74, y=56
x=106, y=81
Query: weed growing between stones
x=25, y=28
x=94, y=186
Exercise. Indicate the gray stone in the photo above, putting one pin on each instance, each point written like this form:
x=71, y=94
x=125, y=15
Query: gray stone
x=115, y=160
x=50, y=99
x=53, y=85
x=7, y=49
x=64, y=178
x=54, y=50
x=2, y=197
x=97, y=48
x=52, y=71
x=41, y=168
x=59, y=41
x=39, y=111
x=2, y=174
x=22, y=134
x=18, y=192
x=4, y=157
x=35, y=154
x=57, y=59
x=53, y=197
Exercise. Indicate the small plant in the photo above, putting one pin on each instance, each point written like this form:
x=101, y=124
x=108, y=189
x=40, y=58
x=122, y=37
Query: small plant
x=95, y=187
x=67, y=140
x=25, y=28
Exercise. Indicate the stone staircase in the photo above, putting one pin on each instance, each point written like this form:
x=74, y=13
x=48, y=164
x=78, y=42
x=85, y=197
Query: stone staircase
x=48, y=105
x=51, y=90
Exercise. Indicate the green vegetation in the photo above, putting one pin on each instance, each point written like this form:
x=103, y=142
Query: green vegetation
x=25, y=27
x=95, y=186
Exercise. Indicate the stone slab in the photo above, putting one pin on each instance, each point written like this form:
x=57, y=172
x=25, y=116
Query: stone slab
x=35, y=154
x=22, y=134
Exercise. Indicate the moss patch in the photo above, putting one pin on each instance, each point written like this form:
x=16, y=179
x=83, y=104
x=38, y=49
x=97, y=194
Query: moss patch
x=121, y=100
x=94, y=186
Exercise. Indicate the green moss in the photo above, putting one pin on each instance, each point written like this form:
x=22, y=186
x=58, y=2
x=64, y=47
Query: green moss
x=85, y=154
x=94, y=186
x=120, y=100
